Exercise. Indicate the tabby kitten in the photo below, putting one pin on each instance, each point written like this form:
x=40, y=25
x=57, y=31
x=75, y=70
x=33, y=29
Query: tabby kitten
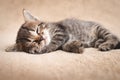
x=71, y=35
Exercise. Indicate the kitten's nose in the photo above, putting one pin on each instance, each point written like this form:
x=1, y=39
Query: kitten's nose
x=41, y=38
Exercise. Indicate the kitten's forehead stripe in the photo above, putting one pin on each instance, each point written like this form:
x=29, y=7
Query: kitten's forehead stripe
x=28, y=29
x=40, y=23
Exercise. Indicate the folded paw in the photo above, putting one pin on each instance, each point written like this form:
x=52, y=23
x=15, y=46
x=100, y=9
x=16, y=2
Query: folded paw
x=105, y=47
x=74, y=46
x=98, y=42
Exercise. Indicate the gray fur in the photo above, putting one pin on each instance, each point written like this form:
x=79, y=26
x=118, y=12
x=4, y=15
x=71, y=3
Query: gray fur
x=71, y=35
x=89, y=34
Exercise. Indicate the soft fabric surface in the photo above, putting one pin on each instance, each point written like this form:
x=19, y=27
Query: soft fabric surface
x=59, y=65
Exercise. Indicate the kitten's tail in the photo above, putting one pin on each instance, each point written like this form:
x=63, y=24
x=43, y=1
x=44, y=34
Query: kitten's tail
x=12, y=48
x=118, y=46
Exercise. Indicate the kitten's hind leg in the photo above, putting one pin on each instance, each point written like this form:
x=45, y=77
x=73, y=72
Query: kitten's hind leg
x=110, y=40
x=73, y=46
x=109, y=44
x=98, y=42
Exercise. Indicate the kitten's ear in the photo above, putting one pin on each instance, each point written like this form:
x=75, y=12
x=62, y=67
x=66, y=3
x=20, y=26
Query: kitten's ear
x=28, y=16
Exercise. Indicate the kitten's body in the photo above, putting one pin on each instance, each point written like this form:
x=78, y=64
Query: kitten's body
x=70, y=35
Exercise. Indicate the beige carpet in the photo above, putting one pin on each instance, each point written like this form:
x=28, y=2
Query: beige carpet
x=58, y=65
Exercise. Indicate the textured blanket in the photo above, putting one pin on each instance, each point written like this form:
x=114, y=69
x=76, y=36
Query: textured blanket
x=58, y=65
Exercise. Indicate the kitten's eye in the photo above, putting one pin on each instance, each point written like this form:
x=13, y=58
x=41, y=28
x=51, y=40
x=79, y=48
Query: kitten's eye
x=38, y=30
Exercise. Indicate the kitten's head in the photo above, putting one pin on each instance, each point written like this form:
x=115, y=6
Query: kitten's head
x=33, y=30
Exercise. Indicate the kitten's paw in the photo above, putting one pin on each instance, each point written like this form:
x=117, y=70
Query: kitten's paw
x=105, y=47
x=43, y=50
x=98, y=42
x=75, y=46
x=34, y=50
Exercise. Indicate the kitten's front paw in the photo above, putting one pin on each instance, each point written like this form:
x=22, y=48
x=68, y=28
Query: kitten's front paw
x=48, y=49
x=75, y=46
x=105, y=47
x=34, y=50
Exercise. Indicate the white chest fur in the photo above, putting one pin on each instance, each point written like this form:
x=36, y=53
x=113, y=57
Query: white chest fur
x=46, y=36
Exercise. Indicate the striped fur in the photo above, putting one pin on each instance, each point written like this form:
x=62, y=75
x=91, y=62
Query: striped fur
x=71, y=35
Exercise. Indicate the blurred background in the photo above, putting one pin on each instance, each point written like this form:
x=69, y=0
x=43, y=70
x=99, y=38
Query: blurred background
x=106, y=12
x=60, y=65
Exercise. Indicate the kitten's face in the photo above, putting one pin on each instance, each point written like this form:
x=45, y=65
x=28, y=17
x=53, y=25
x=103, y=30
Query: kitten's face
x=34, y=30
x=38, y=32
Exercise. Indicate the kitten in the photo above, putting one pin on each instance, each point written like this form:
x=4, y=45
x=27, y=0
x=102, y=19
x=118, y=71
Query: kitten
x=71, y=35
